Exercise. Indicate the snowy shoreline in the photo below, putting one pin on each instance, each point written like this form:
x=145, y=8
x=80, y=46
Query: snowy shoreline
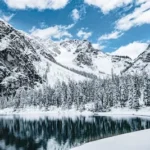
x=138, y=140
x=32, y=111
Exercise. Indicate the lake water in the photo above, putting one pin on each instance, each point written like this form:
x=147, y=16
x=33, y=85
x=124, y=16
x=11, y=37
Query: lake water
x=48, y=133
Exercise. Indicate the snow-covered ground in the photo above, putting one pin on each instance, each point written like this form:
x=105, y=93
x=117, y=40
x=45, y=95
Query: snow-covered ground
x=145, y=111
x=54, y=111
x=131, y=141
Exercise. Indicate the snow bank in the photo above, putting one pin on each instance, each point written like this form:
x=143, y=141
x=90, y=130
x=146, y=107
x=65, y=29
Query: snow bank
x=53, y=111
x=132, y=141
x=145, y=111
x=36, y=113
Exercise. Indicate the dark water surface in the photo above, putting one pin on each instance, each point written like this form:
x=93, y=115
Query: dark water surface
x=47, y=133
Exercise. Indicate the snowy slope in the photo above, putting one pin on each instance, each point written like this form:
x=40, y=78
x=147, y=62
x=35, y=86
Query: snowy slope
x=141, y=63
x=81, y=55
x=55, y=72
x=132, y=141
x=119, y=63
x=98, y=62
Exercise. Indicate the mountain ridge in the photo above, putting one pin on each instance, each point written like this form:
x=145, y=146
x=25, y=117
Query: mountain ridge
x=140, y=64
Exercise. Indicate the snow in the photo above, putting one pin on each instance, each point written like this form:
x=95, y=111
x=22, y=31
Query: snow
x=53, y=145
x=140, y=64
x=132, y=141
x=4, y=44
x=102, y=62
x=67, y=57
x=145, y=111
x=35, y=113
x=54, y=112
x=55, y=72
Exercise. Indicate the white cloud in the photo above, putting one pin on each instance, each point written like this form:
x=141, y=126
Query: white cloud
x=98, y=46
x=43, y=25
x=84, y=35
x=140, y=16
x=7, y=18
x=108, y=5
x=141, y=1
x=132, y=50
x=75, y=15
x=56, y=32
x=113, y=35
x=37, y=4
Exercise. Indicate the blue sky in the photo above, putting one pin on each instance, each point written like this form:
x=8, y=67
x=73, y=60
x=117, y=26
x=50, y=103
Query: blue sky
x=109, y=25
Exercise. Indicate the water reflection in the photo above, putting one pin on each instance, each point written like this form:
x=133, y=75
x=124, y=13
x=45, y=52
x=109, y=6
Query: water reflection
x=61, y=134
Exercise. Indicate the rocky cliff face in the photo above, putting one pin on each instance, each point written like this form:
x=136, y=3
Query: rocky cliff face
x=16, y=59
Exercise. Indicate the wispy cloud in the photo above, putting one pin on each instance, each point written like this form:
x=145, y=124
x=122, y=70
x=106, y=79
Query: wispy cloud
x=83, y=34
x=78, y=13
x=107, y=5
x=140, y=16
x=98, y=46
x=54, y=32
x=43, y=25
x=110, y=36
x=6, y=16
x=36, y=4
x=75, y=14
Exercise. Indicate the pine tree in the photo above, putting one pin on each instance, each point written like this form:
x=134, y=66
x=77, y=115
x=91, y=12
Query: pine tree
x=130, y=97
x=147, y=91
x=135, y=94
x=69, y=98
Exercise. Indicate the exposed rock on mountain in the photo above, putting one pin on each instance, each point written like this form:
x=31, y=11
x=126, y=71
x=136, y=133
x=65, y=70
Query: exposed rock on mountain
x=141, y=63
x=120, y=63
x=16, y=57
x=82, y=56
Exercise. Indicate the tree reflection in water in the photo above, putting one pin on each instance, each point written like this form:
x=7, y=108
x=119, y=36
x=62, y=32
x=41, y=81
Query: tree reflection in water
x=61, y=134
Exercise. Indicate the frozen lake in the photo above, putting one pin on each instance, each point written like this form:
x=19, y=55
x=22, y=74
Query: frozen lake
x=50, y=133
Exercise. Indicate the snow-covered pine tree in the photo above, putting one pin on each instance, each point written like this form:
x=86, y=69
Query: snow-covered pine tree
x=146, y=96
x=135, y=94
x=130, y=96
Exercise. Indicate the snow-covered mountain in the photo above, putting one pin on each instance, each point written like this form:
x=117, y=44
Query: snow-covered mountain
x=28, y=60
x=82, y=56
x=141, y=63
x=23, y=60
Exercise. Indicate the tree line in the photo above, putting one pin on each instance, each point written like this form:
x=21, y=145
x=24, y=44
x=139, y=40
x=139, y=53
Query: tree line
x=131, y=91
